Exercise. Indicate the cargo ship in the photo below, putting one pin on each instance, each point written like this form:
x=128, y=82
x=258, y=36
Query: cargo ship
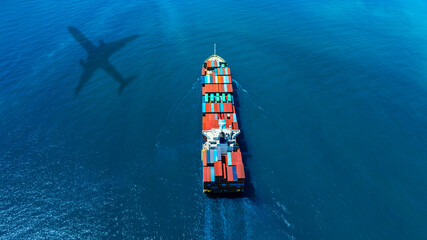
x=223, y=169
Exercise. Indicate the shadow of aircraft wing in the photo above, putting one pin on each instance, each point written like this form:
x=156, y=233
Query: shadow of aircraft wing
x=81, y=39
x=117, y=45
x=86, y=75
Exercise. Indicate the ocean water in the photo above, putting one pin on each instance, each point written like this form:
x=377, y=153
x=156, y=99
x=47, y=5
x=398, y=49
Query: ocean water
x=332, y=105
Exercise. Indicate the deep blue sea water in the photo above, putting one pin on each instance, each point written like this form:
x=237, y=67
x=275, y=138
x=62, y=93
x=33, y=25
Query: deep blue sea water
x=332, y=104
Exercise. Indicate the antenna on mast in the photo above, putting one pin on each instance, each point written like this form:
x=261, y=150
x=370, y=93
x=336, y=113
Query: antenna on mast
x=214, y=48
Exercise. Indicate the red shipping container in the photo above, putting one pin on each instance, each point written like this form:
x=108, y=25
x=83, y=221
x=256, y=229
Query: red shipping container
x=211, y=124
x=208, y=107
x=206, y=174
x=228, y=108
x=220, y=79
x=236, y=158
x=204, y=158
x=209, y=64
x=214, y=88
x=203, y=90
x=230, y=87
x=240, y=171
x=230, y=174
x=217, y=107
x=218, y=168
x=235, y=126
x=224, y=106
x=224, y=170
x=221, y=88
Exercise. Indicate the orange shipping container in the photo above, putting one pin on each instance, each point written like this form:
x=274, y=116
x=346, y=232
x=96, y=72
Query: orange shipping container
x=216, y=106
x=236, y=158
x=206, y=174
x=240, y=171
x=204, y=158
x=230, y=174
x=230, y=87
x=218, y=168
x=221, y=88
x=228, y=108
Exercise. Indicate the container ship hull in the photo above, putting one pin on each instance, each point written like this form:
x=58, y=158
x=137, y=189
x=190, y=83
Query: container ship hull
x=223, y=169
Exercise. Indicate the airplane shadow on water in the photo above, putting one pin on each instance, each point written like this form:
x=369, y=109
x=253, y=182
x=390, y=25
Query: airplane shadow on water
x=98, y=58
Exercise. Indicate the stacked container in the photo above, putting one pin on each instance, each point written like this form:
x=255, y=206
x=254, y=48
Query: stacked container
x=222, y=171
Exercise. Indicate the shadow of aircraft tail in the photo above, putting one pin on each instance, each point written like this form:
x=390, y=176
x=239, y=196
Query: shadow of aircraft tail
x=125, y=83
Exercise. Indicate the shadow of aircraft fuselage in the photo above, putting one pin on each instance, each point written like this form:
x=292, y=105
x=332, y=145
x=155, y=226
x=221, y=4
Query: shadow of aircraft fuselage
x=98, y=58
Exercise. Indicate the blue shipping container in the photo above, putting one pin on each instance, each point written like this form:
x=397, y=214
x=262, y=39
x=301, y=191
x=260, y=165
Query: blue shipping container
x=234, y=173
x=211, y=159
x=208, y=156
x=212, y=107
x=229, y=158
x=213, y=174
